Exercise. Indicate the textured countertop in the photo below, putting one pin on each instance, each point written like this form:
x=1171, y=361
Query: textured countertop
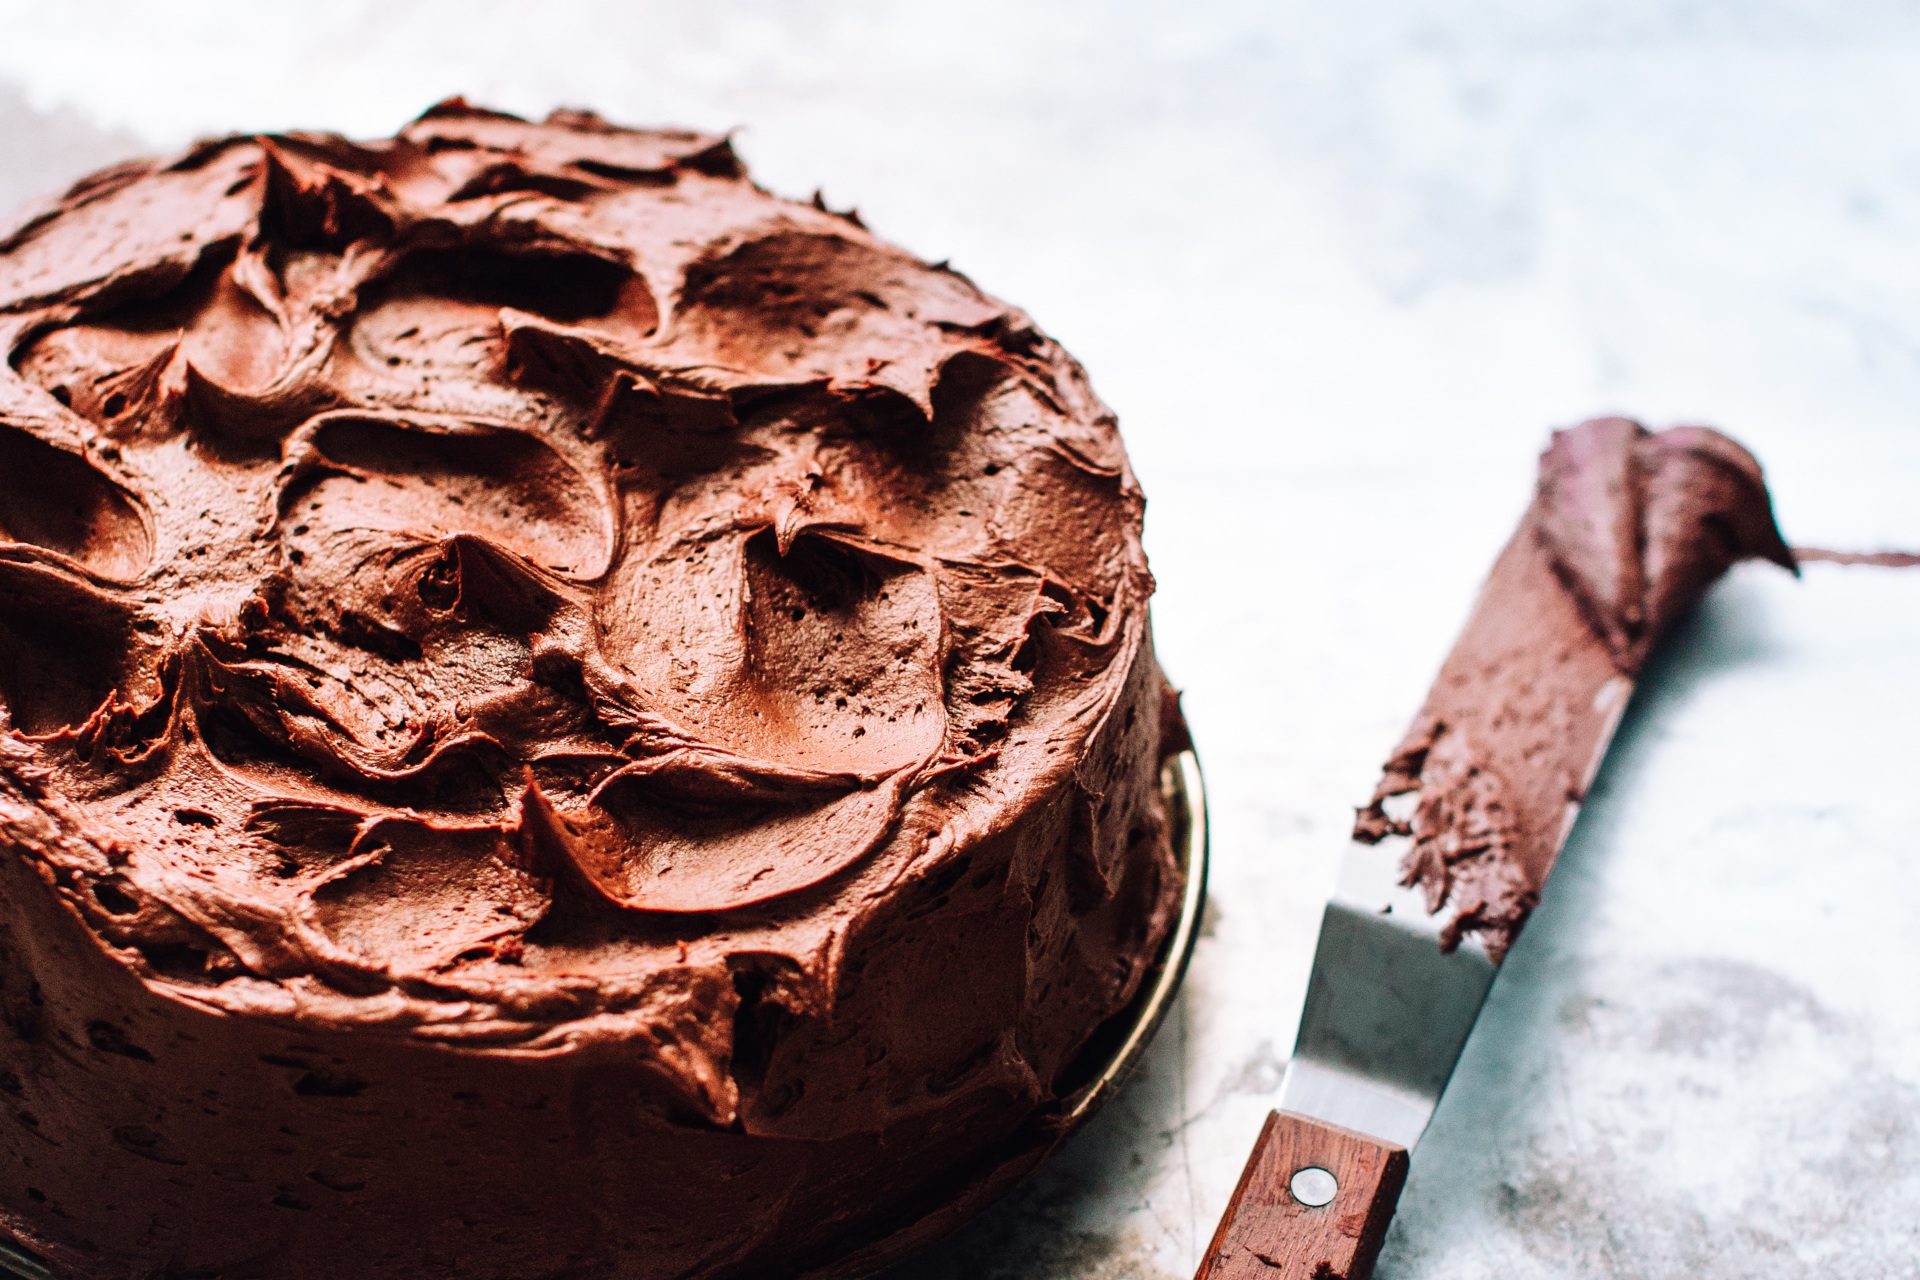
x=1340, y=268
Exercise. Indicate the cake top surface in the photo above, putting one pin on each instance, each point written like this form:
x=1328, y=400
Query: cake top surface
x=486, y=582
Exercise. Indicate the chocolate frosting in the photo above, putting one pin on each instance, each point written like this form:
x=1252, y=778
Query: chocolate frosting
x=1626, y=531
x=517, y=606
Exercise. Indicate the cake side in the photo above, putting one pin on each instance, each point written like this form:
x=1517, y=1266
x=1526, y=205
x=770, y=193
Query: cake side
x=522, y=642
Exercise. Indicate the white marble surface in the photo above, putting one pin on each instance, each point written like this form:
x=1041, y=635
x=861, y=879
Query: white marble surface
x=1339, y=267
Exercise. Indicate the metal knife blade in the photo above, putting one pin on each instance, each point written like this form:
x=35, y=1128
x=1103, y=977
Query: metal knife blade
x=1388, y=1010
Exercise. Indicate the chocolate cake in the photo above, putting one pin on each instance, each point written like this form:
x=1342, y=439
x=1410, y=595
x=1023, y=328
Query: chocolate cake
x=560, y=715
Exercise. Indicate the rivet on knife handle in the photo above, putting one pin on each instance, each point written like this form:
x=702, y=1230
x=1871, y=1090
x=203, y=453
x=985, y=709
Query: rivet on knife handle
x=1313, y=1204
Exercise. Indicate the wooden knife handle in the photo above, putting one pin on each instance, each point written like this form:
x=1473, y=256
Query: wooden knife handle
x=1270, y=1233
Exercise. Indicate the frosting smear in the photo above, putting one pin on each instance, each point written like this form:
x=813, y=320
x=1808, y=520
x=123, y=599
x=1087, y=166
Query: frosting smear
x=1626, y=531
